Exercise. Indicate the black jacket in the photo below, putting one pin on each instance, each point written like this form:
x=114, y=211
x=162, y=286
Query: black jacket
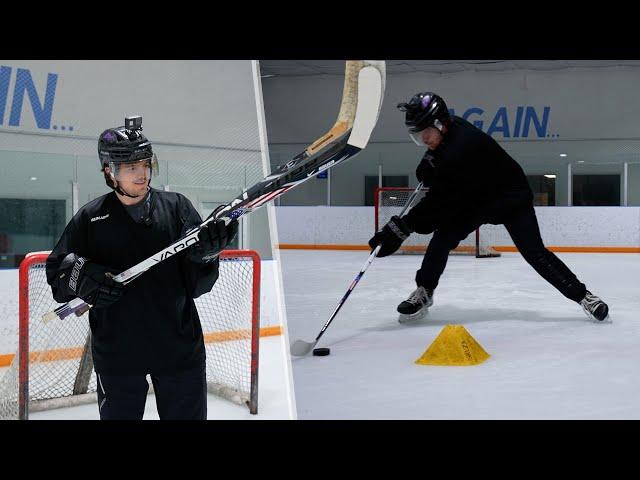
x=154, y=327
x=469, y=174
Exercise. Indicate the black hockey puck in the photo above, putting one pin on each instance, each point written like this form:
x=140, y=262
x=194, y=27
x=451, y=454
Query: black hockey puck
x=321, y=352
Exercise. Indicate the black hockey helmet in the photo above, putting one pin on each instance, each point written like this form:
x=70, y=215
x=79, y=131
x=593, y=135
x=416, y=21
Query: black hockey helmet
x=425, y=109
x=124, y=144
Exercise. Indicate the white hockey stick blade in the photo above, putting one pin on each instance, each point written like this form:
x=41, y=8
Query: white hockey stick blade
x=300, y=348
x=371, y=85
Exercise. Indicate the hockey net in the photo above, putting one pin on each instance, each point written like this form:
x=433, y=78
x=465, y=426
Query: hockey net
x=389, y=201
x=53, y=366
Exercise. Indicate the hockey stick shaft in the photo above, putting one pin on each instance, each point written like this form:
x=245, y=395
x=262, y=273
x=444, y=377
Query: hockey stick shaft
x=302, y=348
x=349, y=290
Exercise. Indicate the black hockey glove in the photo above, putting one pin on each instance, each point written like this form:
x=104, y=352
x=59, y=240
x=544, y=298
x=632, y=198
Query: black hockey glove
x=91, y=282
x=391, y=236
x=214, y=238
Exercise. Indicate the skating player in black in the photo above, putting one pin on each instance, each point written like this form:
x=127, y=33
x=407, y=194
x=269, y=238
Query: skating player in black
x=472, y=181
x=151, y=325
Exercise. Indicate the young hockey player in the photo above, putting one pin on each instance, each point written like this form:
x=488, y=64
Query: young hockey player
x=471, y=181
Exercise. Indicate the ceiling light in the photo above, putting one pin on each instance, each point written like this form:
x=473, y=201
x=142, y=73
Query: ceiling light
x=550, y=175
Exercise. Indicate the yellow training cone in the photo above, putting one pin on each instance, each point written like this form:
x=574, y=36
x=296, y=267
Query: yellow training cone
x=454, y=346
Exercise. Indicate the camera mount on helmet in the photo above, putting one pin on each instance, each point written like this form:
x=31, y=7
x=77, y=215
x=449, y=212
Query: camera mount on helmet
x=133, y=123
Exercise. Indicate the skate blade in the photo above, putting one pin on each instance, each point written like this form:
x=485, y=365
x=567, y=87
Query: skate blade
x=404, y=318
x=607, y=319
x=593, y=319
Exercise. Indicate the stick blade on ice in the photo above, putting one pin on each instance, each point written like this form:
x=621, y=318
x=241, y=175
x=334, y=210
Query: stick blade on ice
x=300, y=348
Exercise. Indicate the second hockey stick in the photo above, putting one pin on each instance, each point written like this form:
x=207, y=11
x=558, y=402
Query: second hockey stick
x=300, y=348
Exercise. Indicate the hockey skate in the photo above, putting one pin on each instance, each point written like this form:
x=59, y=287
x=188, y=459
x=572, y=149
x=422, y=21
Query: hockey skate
x=415, y=307
x=594, y=307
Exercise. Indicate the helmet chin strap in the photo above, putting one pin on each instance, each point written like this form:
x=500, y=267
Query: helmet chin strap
x=113, y=183
x=122, y=192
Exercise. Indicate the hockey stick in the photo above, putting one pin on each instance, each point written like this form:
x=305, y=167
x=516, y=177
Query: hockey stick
x=300, y=348
x=362, y=95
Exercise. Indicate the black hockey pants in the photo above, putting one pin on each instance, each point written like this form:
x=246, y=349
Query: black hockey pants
x=180, y=396
x=522, y=226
